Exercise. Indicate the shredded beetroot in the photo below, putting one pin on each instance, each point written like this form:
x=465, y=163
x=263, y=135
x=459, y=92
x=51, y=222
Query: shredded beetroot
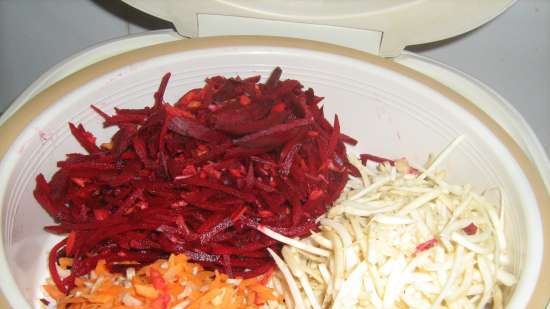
x=52, y=260
x=198, y=178
x=471, y=229
x=369, y=157
x=365, y=157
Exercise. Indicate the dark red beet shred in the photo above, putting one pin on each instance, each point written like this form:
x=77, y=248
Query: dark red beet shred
x=197, y=178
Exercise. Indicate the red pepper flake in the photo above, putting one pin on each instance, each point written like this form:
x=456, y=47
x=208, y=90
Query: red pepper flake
x=244, y=100
x=157, y=280
x=81, y=182
x=202, y=150
x=279, y=107
x=194, y=104
x=188, y=171
x=471, y=229
x=315, y=194
x=190, y=96
x=265, y=213
x=312, y=133
x=161, y=302
x=237, y=214
x=426, y=245
x=236, y=172
x=101, y=214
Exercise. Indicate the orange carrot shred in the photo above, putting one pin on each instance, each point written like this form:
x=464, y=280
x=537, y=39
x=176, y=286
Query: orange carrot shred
x=162, y=285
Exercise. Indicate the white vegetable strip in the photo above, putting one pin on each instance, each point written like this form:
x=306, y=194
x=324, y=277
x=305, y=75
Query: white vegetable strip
x=324, y=273
x=294, y=290
x=351, y=258
x=348, y=295
x=487, y=280
x=339, y=260
x=372, y=250
x=409, y=232
x=428, y=288
x=355, y=225
x=459, y=254
x=371, y=188
x=505, y=277
x=329, y=284
x=403, y=279
x=279, y=287
x=442, y=155
x=309, y=292
x=414, y=302
x=479, y=237
x=364, y=172
x=296, y=268
x=318, y=238
x=375, y=277
x=475, y=290
x=372, y=294
x=392, y=219
x=419, y=201
x=312, y=257
x=313, y=273
x=392, y=283
x=369, y=212
x=340, y=230
x=458, y=211
x=461, y=289
x=455, y=225
x=498, y=226
x=292, y=242
x=468, y=244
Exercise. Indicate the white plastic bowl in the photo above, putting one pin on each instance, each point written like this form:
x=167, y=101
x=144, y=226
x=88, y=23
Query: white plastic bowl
x=391, y=110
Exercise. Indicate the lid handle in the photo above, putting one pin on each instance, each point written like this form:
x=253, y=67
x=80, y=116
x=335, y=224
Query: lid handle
x=406, y=22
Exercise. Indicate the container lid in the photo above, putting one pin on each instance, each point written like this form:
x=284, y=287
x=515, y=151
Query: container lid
x=382, y=27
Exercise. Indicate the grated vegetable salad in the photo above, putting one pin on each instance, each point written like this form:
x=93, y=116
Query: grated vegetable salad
x=221, y=175
x=173, y=283
x=401, y=237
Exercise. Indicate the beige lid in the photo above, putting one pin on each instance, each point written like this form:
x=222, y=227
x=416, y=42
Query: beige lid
x=382, y=27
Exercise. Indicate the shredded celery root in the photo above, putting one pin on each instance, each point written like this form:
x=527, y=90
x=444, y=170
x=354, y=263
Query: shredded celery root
x=401, y=237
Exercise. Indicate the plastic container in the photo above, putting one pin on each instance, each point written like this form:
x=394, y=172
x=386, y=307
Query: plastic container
x=392, y=110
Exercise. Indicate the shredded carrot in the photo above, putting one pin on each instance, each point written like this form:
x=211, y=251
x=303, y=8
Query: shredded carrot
x=164, y=284
x=54, y=293
x=65, y=262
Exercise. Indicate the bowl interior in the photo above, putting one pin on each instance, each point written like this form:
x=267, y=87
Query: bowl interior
x=391, y=115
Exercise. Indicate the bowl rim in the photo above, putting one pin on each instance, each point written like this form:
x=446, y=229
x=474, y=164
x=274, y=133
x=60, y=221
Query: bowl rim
x=12, y=128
